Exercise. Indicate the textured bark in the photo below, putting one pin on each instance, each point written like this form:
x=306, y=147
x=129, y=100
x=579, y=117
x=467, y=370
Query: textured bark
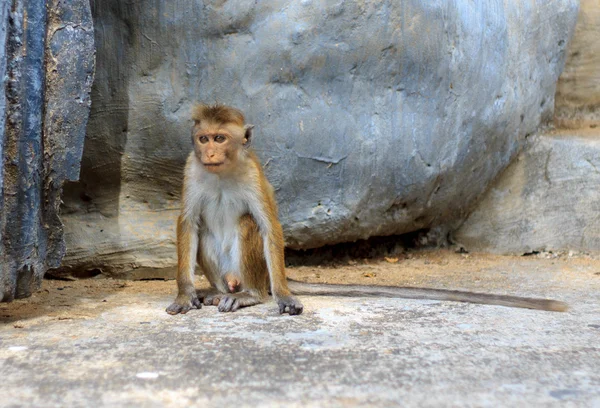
x=48, y=58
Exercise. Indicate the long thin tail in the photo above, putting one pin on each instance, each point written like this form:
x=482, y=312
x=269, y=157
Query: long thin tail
x=319, y=289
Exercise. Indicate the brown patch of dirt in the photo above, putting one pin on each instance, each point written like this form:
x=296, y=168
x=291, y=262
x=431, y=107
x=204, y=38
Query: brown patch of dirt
x=63, y=300
x=449, y=270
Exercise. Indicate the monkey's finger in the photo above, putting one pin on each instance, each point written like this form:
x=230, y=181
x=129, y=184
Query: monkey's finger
x=174, y=309
x=212, y=300
x=225, y=304
x=236, y=305
x=296, y=310
x=282, y=307
x=197, y=303
x=171, y=311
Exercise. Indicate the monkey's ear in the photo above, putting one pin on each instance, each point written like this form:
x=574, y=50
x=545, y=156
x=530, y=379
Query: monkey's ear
x=248, y=134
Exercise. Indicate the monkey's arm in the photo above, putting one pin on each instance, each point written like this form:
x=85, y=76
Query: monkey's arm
x=187, y=248
x=264, y=211
x=302, y=288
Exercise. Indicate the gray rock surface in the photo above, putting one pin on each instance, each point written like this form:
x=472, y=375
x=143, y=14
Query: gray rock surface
x=372, y=118
x=46, y=66
x=547, y=200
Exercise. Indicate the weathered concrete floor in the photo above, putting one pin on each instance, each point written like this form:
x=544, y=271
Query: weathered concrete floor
x=114, y=346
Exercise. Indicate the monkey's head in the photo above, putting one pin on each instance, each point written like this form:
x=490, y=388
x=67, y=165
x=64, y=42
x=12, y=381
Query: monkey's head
x=220, y=137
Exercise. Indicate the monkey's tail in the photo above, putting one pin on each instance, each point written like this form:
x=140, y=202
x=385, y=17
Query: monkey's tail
x=319, y=289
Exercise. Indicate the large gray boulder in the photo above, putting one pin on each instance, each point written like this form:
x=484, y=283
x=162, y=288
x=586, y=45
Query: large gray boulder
x=372, y=118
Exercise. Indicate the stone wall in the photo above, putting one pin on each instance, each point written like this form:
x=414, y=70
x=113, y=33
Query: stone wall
x=372, y=118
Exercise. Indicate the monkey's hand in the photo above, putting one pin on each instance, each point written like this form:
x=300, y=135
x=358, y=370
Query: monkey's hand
x=183, y=304
x=289, y=304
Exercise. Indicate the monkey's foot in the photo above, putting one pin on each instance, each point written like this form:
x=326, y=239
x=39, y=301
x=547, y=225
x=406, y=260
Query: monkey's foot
x=289, y=304
x=233, y=301
x=184, y=304
x=210, y=296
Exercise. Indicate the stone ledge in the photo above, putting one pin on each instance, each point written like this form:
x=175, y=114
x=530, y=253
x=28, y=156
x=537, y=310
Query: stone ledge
x=547, y=200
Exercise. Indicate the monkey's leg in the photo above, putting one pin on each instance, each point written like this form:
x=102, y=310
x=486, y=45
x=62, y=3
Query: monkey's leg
x=211, y=296
x=254, y=273
x=187, y=246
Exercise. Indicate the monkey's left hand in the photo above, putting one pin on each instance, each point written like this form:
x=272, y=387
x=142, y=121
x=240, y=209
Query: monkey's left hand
x=290, y=304
x=184, y=304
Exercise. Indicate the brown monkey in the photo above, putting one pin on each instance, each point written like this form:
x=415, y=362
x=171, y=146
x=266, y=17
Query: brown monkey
x=228, y=222
x=229, y=226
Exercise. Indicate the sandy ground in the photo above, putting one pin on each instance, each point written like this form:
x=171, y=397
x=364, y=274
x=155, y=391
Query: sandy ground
x=432, y=269
x=106, y=342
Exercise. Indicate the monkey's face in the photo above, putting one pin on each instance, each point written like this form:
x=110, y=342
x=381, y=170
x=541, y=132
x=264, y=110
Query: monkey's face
x=217, y=149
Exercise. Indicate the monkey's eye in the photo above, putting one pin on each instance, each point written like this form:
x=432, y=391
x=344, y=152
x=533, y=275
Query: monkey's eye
x=203, y=139
x=219, y=138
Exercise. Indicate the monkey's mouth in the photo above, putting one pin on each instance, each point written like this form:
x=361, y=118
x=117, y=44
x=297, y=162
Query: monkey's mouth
x=212, y=165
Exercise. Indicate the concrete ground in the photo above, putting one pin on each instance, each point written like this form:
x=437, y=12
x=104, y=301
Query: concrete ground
x=109, y=343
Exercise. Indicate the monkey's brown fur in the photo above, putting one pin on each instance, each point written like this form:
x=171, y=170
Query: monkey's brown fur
x=229, y=227
x=218, y=114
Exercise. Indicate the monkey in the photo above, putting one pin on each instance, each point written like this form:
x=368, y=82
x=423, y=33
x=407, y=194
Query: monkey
x=228, y=223
x=229, y=227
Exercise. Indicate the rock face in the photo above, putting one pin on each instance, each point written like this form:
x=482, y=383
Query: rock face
x=372, y=118
x=547, y=200
x=47, y=58
x=578, y=92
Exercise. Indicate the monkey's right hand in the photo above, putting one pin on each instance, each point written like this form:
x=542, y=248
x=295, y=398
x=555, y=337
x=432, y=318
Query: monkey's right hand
x=290, y=304
x=183, y=304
